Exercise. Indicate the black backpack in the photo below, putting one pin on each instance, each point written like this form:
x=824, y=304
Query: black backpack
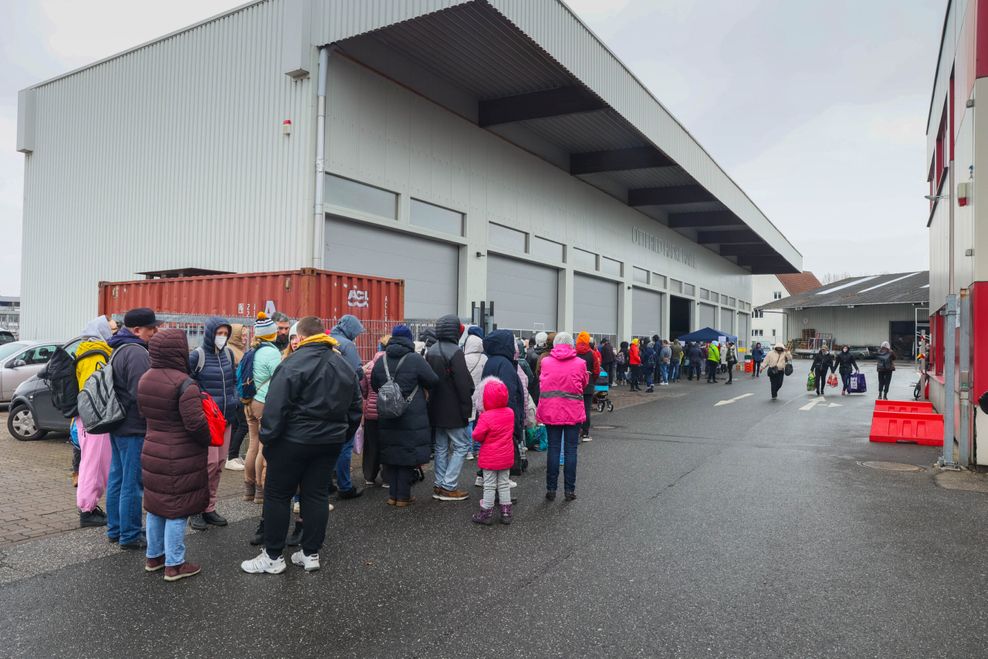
x=60, y=378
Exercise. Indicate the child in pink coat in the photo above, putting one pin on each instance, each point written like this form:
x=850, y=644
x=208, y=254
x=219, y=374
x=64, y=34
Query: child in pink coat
x=495, y=432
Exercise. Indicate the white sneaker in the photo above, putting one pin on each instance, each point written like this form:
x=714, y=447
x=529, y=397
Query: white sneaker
x=235, y=464
x=479, y=482
x=332, y=507
x=310, y=563
x=588, y=438
x=511, y=483
x=470, y=456
x=264, y=564
x=296, y=508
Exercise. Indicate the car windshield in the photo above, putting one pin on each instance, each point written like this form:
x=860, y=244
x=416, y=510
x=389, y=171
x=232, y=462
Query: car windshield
x=8, y=349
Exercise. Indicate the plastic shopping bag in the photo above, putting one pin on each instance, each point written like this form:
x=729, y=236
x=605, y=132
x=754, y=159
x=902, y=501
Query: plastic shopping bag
x=832, y=380
x=811, y=382
x=358, y=440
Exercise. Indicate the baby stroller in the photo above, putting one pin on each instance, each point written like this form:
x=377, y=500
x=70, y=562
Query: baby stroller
x=600, y=398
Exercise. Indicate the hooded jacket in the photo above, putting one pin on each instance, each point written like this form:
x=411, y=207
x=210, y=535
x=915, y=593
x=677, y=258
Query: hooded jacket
x=677, y=352
x=370, y=396
x=823, y=362
x=845, y=362
x=345, y=333
x=173, y=460
x=607, y=355
x=757, y=354
x=694, y=354
x=129, y=366
x=562, y=381
x=634, y=355
x=476, y=360
x=777, y=357
x=407, y=440
x=267, y=358
x=713, y=353
x=96, y=334
x=495, y=428
x=314, y=397
x=500, y=348
x=236, y=342
x=584, y=352
x=450, y=401
x=217, y=376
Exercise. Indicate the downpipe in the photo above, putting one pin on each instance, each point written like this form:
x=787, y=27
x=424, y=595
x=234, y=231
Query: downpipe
x=318, y=213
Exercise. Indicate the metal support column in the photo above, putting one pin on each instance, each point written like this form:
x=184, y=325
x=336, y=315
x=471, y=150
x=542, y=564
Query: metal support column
x=950, y=359
x=964, y=373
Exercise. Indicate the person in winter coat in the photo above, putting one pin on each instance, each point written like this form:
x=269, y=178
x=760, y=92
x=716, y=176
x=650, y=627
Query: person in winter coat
x=293, y=341
x=677, y=360
x=371, y=463
x=96, y=452
x=713, y=361
x=175, y=453
x=541, y=348
x=476, y=360
x=500, y=348
x=125, y=488
x=730, y=355
x=621, y=361
x=267, y=357
x=237, y=344
x=405, y=442
x=345, y=333
x=312, y=409
x=450, y=409
x=531, y=356
x=886, y=365
x=823, y=362
x=695, y=357
x=665, y=363
x=648, y=364
x=607, y=360
x=757, y=357
x=545, y=351
x=563, y=379
x=584, y=352
x=635, y=362
x=427, y=338
x=775, y=363
x=212, y=367
x=845, y=363
x=494, y=430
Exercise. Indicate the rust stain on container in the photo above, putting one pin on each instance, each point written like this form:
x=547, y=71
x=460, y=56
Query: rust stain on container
x=296, y=293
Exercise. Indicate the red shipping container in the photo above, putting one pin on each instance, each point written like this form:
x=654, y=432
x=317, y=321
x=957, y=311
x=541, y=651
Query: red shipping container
x=296, y=293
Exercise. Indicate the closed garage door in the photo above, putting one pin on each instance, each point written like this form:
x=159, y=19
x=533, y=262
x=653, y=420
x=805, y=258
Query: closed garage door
x=430, y=269
x=708, y=316
x=726, y=321
x=524, y=294
x=646, y=312
x=595, y=305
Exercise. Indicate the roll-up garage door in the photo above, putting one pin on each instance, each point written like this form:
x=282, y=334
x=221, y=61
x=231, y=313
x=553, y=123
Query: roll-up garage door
x=524, y=294
x=430, y=268
x=646, y=312
x=595, y=305
x=707, y=316
x=726, y=321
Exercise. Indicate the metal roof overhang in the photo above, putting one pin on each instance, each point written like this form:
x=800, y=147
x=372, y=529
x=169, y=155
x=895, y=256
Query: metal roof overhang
x=471, y=59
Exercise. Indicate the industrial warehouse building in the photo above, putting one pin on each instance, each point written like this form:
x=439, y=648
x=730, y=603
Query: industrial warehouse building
x=770, y=328
x=859, y=312
x=481, y=151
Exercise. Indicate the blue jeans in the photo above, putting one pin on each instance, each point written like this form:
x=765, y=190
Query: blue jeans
x=557, y=436
x=166, y=537
x=125, y=489
x=452, y=446
x=649, y=371
x=664, y=372
x=343, y=466
x=674, y=372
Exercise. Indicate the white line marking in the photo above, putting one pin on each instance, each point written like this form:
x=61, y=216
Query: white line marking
x=731, y=401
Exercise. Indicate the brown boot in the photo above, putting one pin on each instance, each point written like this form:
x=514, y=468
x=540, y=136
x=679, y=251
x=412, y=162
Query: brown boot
x=249, y=491
x=259, y=495
x=75, y=479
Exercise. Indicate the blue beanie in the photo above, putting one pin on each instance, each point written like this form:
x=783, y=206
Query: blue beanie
x=402, y=330
x=476, y=331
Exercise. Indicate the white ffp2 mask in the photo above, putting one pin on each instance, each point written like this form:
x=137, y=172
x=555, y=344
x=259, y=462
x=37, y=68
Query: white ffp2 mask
x=220, y=342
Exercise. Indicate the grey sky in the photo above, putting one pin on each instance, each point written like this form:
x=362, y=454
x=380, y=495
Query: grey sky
x=817, y=110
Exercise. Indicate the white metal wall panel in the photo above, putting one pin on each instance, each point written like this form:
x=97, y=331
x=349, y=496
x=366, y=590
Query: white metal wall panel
x=557, y=29
x=863, y=325
x=707, y=316
x=744, y=330
x=646, y=312
x=428, y=267
x=726, y=321
x=525, y=295
x=595, y=305
x=334, y=20
x=169, y=156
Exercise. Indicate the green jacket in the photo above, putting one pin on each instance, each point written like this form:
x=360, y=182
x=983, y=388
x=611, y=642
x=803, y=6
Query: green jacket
x=267, y=357
x=713, y=353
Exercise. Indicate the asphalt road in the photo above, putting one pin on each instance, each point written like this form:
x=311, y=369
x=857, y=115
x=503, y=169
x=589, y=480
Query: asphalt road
x=747, y=529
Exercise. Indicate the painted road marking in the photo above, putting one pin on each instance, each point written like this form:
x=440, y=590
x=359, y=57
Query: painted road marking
x=731, y=401
x=816, y=401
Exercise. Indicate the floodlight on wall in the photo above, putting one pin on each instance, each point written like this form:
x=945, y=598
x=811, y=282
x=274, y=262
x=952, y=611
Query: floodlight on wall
x=936, y=197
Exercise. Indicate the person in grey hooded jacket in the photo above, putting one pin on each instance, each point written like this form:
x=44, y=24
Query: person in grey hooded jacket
x=346, y=332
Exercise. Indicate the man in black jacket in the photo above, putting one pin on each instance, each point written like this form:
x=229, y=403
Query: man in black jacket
x=313, y=407
x=450, y=407
x=607, y=359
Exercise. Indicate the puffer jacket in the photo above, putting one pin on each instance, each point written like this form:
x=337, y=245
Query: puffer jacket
x=370, y=396
x=407, y=440
x=845, y=362
x=584, y=352
x=500, y=348
x=345, y=332
x=694, y=354
x=563, y=378
x=634, y=355
x=495, y=428
x=777, y=357
x=173, y=461
x=823, y=362
x=267, y=358
x=129, y=366
x=450, y=401
x=476, y=360
x=218, y=374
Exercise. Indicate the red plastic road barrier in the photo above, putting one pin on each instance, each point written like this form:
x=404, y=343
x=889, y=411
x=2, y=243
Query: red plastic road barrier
x=923, y=428
x=907, y=406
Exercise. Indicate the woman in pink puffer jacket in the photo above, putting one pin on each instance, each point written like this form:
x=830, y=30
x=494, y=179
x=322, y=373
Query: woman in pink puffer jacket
x=562, y=378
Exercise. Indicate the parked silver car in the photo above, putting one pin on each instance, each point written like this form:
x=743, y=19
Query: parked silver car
x=19, y=361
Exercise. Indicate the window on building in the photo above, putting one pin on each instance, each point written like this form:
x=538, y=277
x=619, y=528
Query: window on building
x=610, y=266
x=658, y=280
x=361, y=197
x=676, y=286
x=548, y=250
x=441, y=219
x=583, y=259
x=757, y=314
x=689, y=289
x=506, y=238
x=639, y=275
x=758, y=332
x=704, y=294
x=777, y=295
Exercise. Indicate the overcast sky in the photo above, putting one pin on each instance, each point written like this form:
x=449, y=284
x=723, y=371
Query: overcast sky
x=817, y=110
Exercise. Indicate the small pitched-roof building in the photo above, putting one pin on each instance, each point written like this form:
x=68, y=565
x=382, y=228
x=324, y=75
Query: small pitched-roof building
x=858, y=311
x=771, y=328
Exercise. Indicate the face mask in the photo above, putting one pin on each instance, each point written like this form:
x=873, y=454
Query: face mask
x=220, y=342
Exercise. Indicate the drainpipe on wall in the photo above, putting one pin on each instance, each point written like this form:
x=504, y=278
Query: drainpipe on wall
x=318, y=214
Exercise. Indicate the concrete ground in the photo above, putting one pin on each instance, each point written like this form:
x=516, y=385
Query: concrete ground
x=751, y=528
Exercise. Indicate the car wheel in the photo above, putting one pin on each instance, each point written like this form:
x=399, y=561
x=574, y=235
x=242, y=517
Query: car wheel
x=21, y=424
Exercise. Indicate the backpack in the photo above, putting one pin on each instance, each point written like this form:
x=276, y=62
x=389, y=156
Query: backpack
x=619, y=358
x=60, y=378
x=246, y=387
x=200, y=354
x=391, y=403
x=884, y=360
x=214, y=417
x=99, y=407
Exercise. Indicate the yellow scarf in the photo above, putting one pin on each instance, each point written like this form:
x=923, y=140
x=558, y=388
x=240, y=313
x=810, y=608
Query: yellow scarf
x=319, y=338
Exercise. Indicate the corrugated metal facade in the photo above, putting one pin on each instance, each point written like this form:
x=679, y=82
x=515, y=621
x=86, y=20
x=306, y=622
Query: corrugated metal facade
x=866, y=325
x=169, y=156
x=333, y=20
